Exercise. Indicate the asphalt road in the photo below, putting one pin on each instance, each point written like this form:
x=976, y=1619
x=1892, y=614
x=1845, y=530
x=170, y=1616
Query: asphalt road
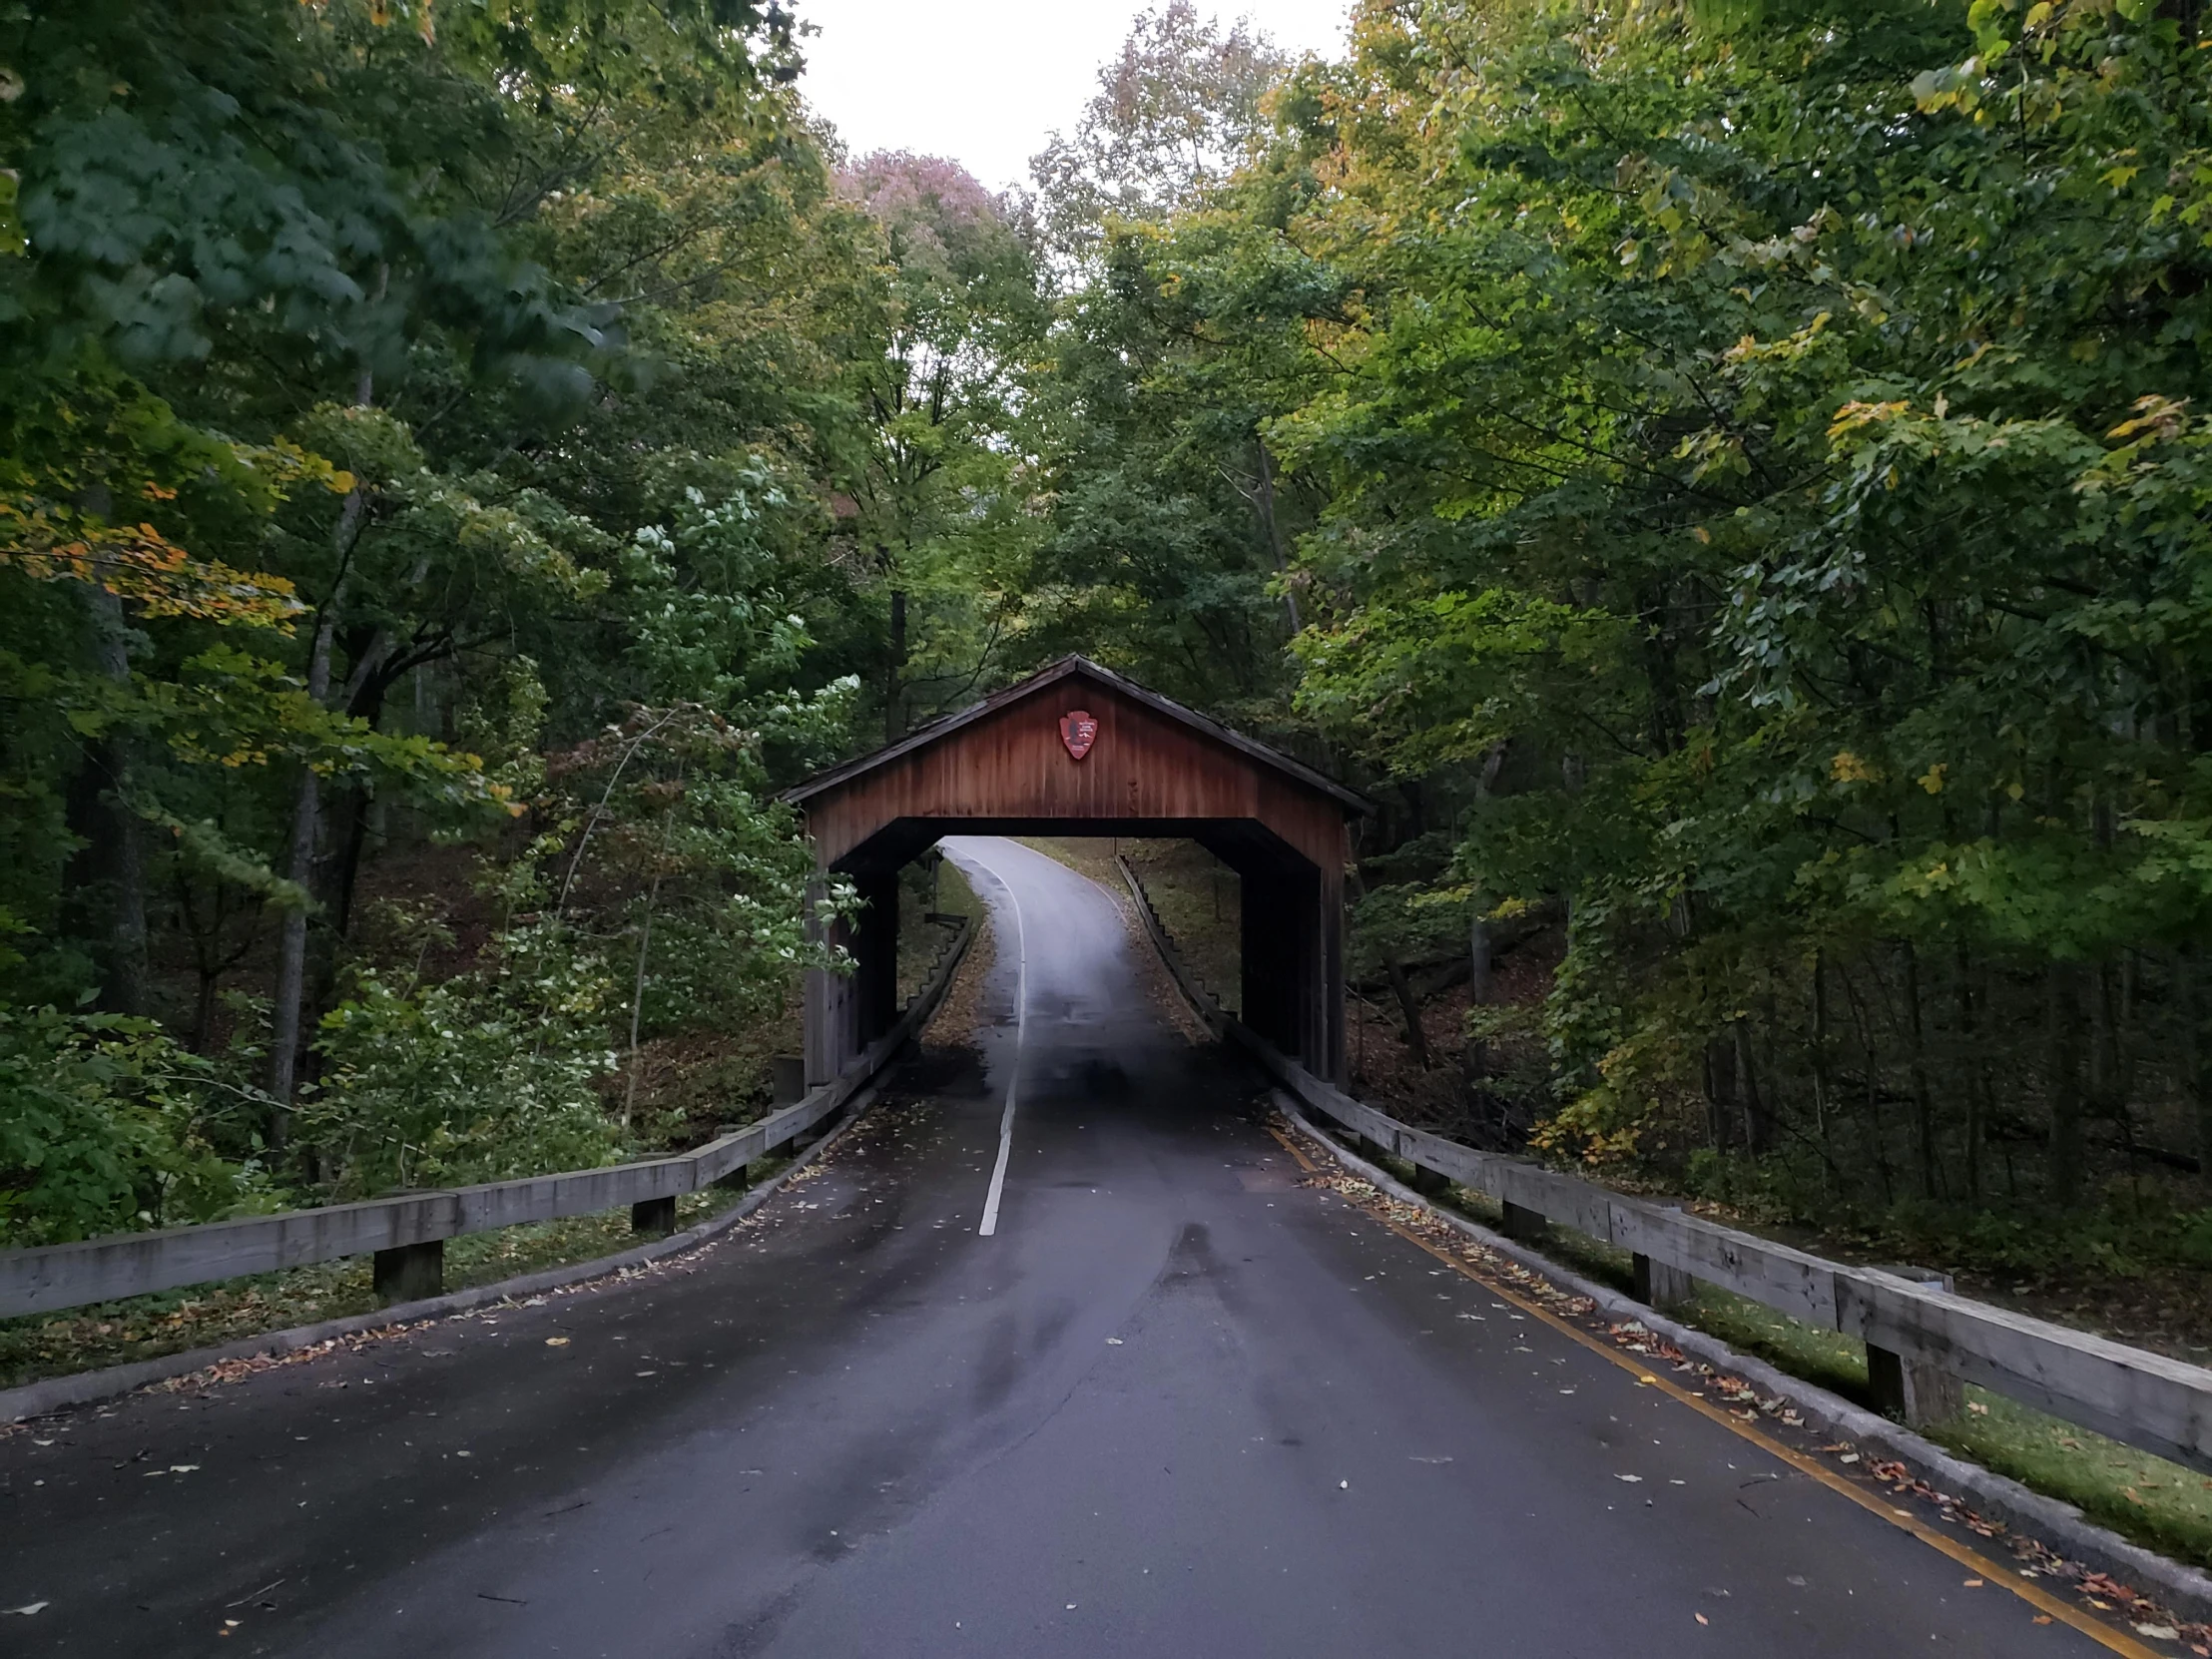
x=1177, y=1403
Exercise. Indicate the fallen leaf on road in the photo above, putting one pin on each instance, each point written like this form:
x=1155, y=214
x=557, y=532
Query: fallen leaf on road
x=30, y=1607
x=1702, y=1619
x=1343, y=1486
x=1115, y=1341
x=556, y=1341
x=2042, y=1618
x=2158, y=1632
x=1633, y=1479
x=1973, y=1583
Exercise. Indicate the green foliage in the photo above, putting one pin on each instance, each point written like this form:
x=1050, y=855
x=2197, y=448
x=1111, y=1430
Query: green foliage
x=483, y=1076
x=394, y=403
x=106, y=1125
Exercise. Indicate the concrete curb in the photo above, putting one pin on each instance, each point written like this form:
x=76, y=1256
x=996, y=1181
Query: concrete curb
x=58, y=1394
x=2183, y=1588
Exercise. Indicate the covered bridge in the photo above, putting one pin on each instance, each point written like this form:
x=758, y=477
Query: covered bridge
x=1077, y=749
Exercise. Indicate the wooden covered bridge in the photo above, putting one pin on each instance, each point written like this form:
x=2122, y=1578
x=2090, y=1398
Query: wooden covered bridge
x=1077, y=749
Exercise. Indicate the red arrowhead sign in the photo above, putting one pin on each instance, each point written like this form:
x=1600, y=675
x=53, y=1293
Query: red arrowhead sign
x=1079, y=730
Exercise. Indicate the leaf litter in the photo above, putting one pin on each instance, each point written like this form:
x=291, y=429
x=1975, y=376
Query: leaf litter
x=2032, y=1558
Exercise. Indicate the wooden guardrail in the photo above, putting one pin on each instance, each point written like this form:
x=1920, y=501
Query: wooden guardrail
x=1923, y=1341
x=407, y=1234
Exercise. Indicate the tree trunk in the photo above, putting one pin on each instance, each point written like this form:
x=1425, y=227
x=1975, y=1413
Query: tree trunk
x=1264, y=498
x=1755, y=1136
x=1924, y=1104
x=1876, y=1138
x=1977, y=1073
x=292, y=941
x=1720, y=1088
x=894, y=674
x=1479, y=942
x=2197, y=1051
x=1478, y=989
x=287, y=1014
x=1819, y=1066
x=1410, y=1005
x=114, y=859
x=2063, y=1086
x=637, y=1000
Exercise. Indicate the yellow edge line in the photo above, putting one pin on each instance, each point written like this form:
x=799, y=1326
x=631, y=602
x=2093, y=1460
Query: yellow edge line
x=2031, y=1593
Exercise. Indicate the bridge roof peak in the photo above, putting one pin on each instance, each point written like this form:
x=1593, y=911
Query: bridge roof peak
x=1078, y=670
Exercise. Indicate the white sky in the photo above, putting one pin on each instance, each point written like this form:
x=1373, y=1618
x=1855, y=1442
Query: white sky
x=986, y=81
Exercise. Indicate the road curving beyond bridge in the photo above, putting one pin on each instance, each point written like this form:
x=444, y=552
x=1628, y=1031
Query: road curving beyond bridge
x=1170, y=1401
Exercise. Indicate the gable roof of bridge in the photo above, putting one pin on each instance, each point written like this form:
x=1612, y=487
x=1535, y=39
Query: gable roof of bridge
x=1080, y=668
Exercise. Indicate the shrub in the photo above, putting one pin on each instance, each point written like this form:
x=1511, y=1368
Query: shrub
x=483, y=1077
x=106, y=1125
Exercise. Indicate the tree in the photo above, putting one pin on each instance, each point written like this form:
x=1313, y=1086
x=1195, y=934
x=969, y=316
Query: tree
x=306, y=464
x=940, y=497
x=1180, y=108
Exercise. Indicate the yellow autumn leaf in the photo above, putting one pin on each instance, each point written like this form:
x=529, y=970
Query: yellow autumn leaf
x=1848, y=768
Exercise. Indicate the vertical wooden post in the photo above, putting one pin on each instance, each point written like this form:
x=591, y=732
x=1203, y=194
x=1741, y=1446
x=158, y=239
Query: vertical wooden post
x=786, y=1080
x=1335, y=1058
x=1907, y=1389
x=1660, y=1286
x=1269, y=966
x=1523, y=1225
x=820, y=995
x=410, y=1273
x=1911, y=1391
x=656, y=1216
x=875, y=945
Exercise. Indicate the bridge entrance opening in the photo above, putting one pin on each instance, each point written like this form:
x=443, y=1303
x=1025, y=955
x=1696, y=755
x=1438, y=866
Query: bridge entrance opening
x=1077, y=749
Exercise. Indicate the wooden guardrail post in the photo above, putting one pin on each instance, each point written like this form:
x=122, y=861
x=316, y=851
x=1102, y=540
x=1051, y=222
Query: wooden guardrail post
x=655, y=1216
x=1660, y=1286
x=1911, y=1391
x=1522, y=1224
x=786, y=1080
x=410, y=1273
x=739, y=1176
x=1431, y=1183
